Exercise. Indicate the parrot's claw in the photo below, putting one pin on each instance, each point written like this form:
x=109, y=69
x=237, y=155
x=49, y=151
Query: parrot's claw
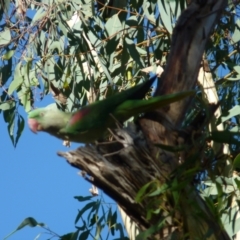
x=66, y=143
x=94, y=190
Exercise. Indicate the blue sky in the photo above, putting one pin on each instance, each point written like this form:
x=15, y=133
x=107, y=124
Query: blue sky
x=35, y=182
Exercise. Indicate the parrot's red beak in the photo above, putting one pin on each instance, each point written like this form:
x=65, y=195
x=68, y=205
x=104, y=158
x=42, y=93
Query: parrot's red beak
x=33, y=125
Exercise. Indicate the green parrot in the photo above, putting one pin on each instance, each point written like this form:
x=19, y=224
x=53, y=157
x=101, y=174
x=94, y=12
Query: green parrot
x=91, y=122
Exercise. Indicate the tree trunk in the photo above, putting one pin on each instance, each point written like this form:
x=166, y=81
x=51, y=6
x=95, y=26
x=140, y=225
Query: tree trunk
x=121, y=168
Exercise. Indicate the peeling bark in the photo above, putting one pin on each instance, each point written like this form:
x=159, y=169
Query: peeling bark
x=121, y=168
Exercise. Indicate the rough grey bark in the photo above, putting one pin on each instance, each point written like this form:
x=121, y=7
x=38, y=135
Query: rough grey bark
x=121, y=168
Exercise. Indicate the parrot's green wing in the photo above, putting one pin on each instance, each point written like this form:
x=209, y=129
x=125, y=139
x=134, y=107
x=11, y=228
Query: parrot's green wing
x=98, y=114
x=133, y=107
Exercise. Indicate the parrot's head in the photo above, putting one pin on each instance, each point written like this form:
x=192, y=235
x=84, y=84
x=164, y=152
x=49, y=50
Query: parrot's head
x=35, y=118
x=46, y=119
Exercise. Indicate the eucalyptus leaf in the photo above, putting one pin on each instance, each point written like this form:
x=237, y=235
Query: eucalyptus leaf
x=5, y=36
x=84, y=235
x=165, y=15
x=84, y=209
x=113, y=25
x=236, y=34
x=231, y=113
x=236, y=162
x=31, y=222
x=131, y=47
x=7, y=105
x=70, y=236
x=225, y=137
x=20, y=127
x=8, y=55
x=39, y=15
x=17, y=80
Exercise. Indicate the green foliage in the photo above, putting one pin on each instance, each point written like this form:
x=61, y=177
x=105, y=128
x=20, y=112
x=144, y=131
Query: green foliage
x=31, y=222
x=5, y=36
x=236, y=162
x=95, y=216
x=169, y=199
x=69, y=49
x=220, y=195
x=104, y=50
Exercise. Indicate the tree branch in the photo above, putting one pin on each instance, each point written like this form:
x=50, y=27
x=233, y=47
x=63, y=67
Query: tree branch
x=137, y=161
